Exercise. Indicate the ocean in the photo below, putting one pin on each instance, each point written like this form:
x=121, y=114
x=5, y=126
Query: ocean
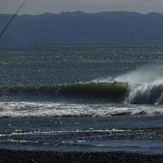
x=91, y=97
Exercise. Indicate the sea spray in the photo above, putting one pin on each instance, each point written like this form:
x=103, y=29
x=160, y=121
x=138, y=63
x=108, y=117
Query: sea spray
x=145, y=85
x=143, y=75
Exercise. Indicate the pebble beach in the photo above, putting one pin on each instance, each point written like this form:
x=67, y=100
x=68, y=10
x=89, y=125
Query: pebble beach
x=24, y=156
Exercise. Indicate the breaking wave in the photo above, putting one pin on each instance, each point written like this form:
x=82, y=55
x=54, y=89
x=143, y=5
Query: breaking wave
x=145, y=85
x=142, y=86
x=115, y=92
x=147, y=94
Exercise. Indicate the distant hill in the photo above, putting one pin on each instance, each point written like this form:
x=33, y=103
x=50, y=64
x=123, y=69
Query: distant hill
x=70, y=27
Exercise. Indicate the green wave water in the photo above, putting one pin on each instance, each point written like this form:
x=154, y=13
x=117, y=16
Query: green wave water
x=97, y=92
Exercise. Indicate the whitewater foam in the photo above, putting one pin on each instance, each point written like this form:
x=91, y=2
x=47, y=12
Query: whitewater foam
x=146, y=94
x=48, y=109
x=145, y=85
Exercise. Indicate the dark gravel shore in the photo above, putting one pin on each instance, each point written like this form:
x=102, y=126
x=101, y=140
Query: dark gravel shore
x=18, y=156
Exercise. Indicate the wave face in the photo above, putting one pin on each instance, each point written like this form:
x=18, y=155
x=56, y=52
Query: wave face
x=90, y=92
x=101, y=92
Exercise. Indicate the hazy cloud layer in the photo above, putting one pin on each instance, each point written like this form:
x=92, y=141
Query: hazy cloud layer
x=90, y=6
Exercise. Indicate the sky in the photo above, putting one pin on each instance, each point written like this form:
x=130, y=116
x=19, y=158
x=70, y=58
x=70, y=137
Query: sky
x=36, y=7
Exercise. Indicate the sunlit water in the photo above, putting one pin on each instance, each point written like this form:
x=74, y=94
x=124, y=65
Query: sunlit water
x=82, y=97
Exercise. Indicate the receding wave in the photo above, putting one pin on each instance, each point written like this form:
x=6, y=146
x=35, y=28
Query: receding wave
x=94, y=92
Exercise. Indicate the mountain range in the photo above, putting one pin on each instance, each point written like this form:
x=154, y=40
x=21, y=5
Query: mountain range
x=80, y=27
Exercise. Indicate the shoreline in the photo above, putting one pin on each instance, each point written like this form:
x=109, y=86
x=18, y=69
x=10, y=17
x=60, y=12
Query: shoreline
x=25, y=156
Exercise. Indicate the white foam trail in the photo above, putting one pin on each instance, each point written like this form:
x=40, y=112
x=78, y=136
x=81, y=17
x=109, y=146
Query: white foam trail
x=42, y=109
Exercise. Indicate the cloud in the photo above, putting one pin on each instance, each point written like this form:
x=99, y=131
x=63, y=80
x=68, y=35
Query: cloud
x=154, y=2
x=56, y=6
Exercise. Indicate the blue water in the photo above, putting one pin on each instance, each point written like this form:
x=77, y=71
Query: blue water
x=82, y=97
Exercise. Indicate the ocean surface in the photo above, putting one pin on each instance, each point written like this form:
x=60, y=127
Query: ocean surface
x=82, y=97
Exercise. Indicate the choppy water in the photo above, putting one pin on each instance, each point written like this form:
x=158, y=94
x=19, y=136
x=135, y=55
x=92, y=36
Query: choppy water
x=82, y=97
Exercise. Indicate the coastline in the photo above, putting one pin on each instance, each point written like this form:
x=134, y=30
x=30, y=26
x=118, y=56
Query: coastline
x=24, y=156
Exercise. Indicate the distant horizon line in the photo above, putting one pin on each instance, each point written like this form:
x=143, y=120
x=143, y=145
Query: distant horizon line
x=78, y=11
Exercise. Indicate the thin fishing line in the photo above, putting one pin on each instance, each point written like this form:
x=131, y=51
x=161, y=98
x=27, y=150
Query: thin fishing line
x=12, y=18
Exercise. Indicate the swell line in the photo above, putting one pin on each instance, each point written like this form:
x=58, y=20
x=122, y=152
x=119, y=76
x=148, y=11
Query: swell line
x=108, y=92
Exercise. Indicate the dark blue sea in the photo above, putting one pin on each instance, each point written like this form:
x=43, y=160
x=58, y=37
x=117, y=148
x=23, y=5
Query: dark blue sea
x=82, y=97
